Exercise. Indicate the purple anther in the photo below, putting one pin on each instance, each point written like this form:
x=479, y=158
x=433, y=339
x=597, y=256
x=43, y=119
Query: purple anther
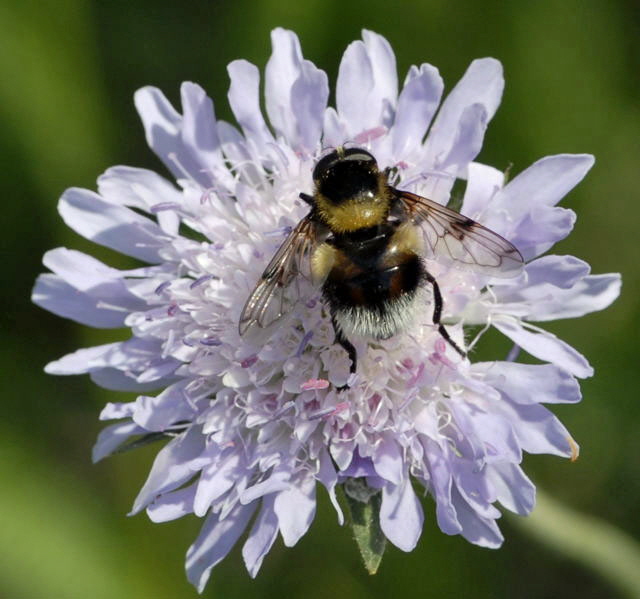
x=162, y=287
x=162, y=206
x=199, y=281
x=303, y=343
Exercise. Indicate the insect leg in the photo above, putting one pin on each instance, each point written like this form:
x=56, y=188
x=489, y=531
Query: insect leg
x=348, y=347
x=391, y=173
x=437, y=312
x=305, y=197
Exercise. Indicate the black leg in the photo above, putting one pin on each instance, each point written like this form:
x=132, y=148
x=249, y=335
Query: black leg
x=437, y=312
x=391, y=173
x=305, y=197
x=348, y=346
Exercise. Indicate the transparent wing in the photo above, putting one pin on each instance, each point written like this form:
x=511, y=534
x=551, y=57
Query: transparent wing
x=278, y=290
x=466, y=242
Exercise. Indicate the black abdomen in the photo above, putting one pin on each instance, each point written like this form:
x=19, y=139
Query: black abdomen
x=374, y=288
x=374, y=280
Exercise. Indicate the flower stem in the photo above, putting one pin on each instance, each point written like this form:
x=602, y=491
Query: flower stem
x=590, y=541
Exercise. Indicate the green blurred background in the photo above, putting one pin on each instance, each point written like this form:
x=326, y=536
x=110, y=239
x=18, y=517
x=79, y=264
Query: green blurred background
x=68, y=72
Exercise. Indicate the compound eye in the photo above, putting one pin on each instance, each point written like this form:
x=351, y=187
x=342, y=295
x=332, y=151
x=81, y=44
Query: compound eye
x=324, y=164
x=341, y=154
x=358, y=155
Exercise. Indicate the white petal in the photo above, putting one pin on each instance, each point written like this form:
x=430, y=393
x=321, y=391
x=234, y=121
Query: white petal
x=295, y=508
x=235, y=150
x=160, y=119
x=171, y=468
x=261, y=538
x=467, y=142
x=117, y=380
x=560, y=271
x=217, y=476
x=387, y=460
x=367, y=78
x=117, y=410
x=111, y=437
x=544, y=183
x=278, y=481
x=542, y=227
x=309, y=96
x=544, y=346
x=440, y=486
x=80, y=361
x=199, y=131
x=558, y=287
x=115, y=227
x=143, y=189
x=215, y=540
x=385, y=76
x=133, y=356
x=355, y=82
x=342, y=453
x=281, y=72
x=328, y=476
x=538, y=430
x=593, y=293
x=401, y=515
x=171, y=506
x=483, y=182
x=334, y=130
x=482, y=84
x=162, y=125
x=170, y=406
x=53, y=294
x=498, y=441
x=472, y=486
x=296, y=92
x=87, y=274
x=513, y=488
x=244, y=100
x=530, y=383
x=417, y=104
x=476, y=529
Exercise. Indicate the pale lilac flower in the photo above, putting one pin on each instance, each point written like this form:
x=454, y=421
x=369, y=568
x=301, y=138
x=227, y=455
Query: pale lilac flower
x=254, y=430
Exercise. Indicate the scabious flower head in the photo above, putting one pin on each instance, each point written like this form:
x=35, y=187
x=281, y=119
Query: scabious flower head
x=255, y=430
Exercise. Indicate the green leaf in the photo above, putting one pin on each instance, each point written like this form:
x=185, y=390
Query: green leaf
x=364, y=508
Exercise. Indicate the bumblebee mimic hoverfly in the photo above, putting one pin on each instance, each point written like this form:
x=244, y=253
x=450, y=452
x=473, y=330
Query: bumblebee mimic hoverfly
x=364, y=244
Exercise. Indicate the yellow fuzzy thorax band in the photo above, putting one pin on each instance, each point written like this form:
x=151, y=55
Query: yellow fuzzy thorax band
x=353, y=214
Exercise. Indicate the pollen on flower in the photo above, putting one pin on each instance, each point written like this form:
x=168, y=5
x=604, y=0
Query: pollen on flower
x=249, y=362
x=314, y=384
x=439, y=357
x=252, y=428
x=366, y=137
x=575, y=449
